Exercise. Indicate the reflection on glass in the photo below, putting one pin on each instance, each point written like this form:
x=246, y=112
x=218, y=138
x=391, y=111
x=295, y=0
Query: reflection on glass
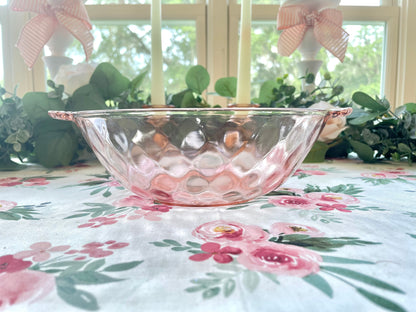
x=128, y=48
x=361, y=70
x=3, y=2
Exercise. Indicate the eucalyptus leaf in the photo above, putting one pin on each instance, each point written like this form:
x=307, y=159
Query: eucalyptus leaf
x=12, y=138
x=87, y=97
x=266, y=95
x=359, y=117
x=177, y=98
x=108, y=81
x=367, y=101
x=317, y=152
x=137, y=82
x=226, y=87
x=411, y=108
x=23, y=135
x=403, y=148
x=37, y=105
x=55, y=146
x=188, y=100
x=363, y=151
x=197, y=79
x=369, y=137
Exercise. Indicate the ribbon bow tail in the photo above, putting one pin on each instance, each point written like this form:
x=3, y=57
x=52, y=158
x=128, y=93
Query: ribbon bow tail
x=80, y=29
x=329, y=33
x=35, y=6
x=290, y=39
x=33, y=37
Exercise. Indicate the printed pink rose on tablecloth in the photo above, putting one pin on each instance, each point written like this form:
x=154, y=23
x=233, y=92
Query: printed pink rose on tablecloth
x=225, y=231
x=294, y=202
x=10, y=264
x=7, y=205
x=112, y=183
x=292, y=228
x=35, y=181
x=333, y=206
x=332, y=197
x=396, y=171
x=280, y=259
x=148, y=215
x=380, y=175
x=220, y=255
x=133, y=201
x=309, y=172
x=12, y=181
x=40, y=251
x=24, y=286
x=100, y=221
x=96, y=249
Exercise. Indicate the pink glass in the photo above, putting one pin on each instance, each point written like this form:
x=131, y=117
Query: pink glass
x=201, y=157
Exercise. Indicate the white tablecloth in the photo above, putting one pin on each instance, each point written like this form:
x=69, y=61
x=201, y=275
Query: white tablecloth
x=340, y=236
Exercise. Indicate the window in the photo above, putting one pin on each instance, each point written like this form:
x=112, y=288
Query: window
x=1, y=63
x=206, y=33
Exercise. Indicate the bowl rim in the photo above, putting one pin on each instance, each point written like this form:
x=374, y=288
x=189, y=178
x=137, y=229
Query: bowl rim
x=203, y=111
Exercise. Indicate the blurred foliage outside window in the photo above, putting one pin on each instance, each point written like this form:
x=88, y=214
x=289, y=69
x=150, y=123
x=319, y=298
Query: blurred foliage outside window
x=1, y=58
x=141, y=1
x=127, y=46
x=361, y=70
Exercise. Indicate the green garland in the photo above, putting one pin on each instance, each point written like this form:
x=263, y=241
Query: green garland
x=28, y=133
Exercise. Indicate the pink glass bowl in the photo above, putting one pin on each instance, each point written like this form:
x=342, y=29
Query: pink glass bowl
x=201, y=157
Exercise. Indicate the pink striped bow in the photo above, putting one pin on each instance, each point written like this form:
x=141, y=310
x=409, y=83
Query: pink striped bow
x=327, y=27
x=71, y=14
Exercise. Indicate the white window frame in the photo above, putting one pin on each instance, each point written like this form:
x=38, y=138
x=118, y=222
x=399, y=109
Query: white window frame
x=217, y=39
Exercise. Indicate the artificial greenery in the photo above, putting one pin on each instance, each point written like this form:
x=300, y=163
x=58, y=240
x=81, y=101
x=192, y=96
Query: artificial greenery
x=373, y=132
x=16, y=131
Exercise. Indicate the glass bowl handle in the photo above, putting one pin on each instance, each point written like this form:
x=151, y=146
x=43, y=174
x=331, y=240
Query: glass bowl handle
x=339, y=112
x=62, y=115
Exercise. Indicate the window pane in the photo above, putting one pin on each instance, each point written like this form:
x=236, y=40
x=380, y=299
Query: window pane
x=3, y=2
x=1, y=60
x=343, y=2
x=128, y=48
x=364, y=61
x=361, y=2
x=361, y=70
x=139, y=1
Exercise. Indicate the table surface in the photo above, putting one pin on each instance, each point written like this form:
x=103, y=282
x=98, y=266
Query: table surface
x=340, y=236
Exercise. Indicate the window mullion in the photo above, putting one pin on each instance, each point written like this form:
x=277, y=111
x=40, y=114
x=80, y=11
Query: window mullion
x=16, y=72
x=406, y=82
x=217, y=45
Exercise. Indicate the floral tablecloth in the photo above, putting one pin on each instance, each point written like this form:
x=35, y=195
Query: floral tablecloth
x=340, y=236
